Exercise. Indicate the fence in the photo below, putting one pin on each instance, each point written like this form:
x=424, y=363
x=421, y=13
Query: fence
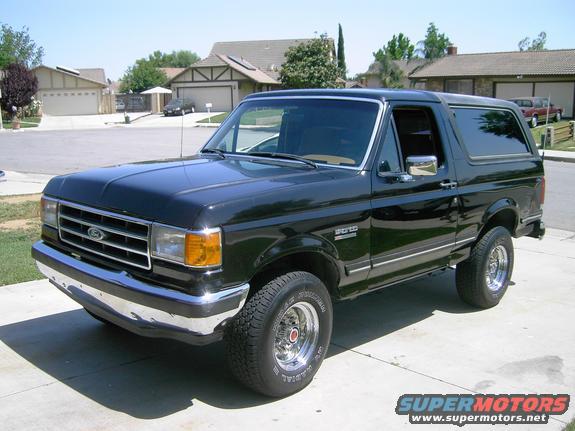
x=560, y=133
x=133, y=102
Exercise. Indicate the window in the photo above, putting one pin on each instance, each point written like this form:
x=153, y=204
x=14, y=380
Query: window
x=545, y=103
x=538, y=103
x=334, y=132
x=459, y=86
x=417, y=132
x=389, y=159
x=490, y=132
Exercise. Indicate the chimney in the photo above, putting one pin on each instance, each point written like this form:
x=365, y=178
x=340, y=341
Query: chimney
x=451, y=50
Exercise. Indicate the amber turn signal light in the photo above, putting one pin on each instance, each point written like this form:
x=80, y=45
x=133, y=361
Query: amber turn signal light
x=204, y=248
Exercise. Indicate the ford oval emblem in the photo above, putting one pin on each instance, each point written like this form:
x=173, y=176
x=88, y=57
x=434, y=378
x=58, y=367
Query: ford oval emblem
x=96, y=234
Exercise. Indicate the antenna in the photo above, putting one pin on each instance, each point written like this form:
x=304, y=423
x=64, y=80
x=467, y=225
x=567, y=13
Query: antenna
x=546, y=123
x=182, y=132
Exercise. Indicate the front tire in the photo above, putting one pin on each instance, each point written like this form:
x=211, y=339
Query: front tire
x=558, y=116
x=277, y=342
x=483, y=278
x=534, y=121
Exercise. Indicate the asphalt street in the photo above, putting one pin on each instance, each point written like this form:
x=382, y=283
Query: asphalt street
x=58, y=152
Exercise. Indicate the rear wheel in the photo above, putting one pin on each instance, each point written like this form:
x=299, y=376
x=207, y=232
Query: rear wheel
x=483, y=278
x=558, y=116
x=534, y=121
x=277, y=342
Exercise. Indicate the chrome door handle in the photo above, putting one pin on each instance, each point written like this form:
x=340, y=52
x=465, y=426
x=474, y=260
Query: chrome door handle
x=448, y=184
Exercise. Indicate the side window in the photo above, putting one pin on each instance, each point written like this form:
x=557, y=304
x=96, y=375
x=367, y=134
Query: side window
x=418, y=133
x=538, y=103
x=545, y=103
x=490, y=132
x=389, y=158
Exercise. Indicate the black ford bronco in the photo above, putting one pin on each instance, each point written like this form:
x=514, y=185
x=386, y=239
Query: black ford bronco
x=298, y=199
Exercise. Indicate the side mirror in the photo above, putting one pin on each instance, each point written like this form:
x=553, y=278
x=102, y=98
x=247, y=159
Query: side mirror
x=421, y=165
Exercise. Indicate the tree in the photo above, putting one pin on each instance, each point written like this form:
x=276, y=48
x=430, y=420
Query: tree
x=435, y=43
x=341, y=54
x=142, y=76
x=310, y=65
x=18, y=87
x=537, y=44
x=398, y=48
x=182, y=58
x=390, y=73
x=18, y=47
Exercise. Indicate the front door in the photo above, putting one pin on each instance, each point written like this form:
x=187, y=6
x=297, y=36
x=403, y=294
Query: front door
x=414, y=218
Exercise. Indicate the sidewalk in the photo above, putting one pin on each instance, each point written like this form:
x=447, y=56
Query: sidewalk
x=78, y=122
x=559, y=156
x=17, y=183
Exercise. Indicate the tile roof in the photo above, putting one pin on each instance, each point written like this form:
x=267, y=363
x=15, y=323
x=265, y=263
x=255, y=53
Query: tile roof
x=94, y=74
x=551, y=62
x=267, y=55
x=172, y=71
x=256, y=75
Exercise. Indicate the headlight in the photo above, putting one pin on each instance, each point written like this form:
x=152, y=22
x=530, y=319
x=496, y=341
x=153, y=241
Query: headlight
x=177, y=109
x=197, y=249
x=49, y=211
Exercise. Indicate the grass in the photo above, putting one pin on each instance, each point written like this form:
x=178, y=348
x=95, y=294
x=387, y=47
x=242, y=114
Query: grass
x=568, y=145
x=25, y=122
x=215, y=118
x=570, y=426
x=250, y=118
x=19, y=228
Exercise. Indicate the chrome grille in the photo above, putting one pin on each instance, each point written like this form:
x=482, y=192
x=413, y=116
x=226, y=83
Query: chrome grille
x=120, y=238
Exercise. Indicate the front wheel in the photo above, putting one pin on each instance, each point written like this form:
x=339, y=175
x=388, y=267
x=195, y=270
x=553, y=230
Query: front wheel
x=483, y=278
x=277, y=342
x=558, y=116
x=534, y=121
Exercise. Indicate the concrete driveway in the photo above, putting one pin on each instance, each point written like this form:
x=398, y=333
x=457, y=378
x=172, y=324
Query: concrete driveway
x=59, y=368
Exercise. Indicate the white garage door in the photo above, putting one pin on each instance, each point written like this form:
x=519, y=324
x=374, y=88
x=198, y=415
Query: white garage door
x=506, y=90
x=70, y=102
x=219, y=97
x=561, y=94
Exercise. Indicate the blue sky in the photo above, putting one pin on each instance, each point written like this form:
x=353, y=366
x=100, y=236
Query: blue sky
x=113, y=34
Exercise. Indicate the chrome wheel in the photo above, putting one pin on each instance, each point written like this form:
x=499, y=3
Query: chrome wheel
x=497, y=268
x=296, y=336
x=558, y=116
x=534, y=121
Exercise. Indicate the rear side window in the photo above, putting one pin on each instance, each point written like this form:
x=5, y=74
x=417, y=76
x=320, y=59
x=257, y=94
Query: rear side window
x=490, y=132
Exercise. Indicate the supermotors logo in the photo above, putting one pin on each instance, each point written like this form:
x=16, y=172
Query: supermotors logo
x=461, y=409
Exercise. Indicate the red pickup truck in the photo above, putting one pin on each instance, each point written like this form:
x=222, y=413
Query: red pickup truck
x=535, y=109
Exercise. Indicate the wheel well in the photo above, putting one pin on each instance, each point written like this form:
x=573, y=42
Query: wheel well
x=505, y=218
x=314, y=263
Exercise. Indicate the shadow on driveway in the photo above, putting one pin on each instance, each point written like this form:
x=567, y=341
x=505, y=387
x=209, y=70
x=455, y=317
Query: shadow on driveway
x=152, y=378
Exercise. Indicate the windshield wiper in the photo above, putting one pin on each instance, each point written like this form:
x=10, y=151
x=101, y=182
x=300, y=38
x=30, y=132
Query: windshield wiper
x=283, y=156
x=217, y=151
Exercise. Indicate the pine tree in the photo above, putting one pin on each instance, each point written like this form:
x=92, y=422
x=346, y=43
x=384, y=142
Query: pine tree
x=342, y=67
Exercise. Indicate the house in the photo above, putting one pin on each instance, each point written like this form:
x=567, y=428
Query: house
x=372, y=78
x=171, y=72
x=504, y=75
x=233, y=70
x=65, y=91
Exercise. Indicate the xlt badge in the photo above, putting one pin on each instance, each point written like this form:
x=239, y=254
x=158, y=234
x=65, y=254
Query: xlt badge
x=346, y=232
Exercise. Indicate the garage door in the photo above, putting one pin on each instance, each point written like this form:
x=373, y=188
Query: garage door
x=219, y=97
x=561, y=94
x=70, y=102
x=505, y=90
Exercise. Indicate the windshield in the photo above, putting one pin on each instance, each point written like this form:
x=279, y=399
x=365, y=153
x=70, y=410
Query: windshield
x=334, y=132
x=175, y=102
x=523, y=103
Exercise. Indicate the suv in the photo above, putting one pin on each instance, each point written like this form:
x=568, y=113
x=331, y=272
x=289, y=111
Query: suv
x=179, y=107
x=535, y=109
x=361, y=190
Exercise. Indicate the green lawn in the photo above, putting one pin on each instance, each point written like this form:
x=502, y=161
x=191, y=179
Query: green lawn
x=19, y=228
x=25, y=123
x=215, y=118
x=570, y=426
x=251, y=118
x=568, y=145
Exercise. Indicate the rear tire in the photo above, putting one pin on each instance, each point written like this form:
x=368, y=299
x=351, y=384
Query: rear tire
x=277, y=342
x=483, y=278
x=534, y=121
x=558, y=116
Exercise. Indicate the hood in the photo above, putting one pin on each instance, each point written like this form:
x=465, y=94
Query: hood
x=176, y=192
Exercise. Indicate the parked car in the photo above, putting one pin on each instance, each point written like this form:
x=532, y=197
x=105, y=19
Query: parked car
x=120, y=105
x=358, y=191
x=534, y=110
x=179, y=107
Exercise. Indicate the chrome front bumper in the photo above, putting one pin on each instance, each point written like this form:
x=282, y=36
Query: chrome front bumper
x=140, y=307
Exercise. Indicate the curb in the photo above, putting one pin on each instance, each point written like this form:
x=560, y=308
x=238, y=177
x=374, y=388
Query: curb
x=560, y=159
